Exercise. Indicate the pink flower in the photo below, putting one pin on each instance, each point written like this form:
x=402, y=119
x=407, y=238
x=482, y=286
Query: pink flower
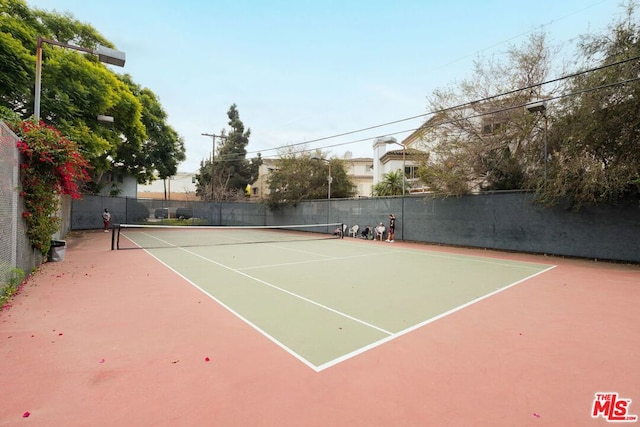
x=26, y=414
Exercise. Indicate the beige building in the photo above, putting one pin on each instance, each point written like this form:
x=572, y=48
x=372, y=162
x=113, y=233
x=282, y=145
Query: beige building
x=364, y=171
x=391, y=155
x=182, y=186
x=260, y=188
x=360, y=170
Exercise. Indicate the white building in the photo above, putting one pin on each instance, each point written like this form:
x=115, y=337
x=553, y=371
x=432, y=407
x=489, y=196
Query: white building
x=390, y=155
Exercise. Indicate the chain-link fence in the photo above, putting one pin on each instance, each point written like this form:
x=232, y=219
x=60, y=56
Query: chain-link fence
x=15, y=249
x=87, y=213
x=504, y=220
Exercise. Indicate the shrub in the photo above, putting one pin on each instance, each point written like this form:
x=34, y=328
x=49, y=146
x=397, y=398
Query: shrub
x=7, y=290
x=51, y=166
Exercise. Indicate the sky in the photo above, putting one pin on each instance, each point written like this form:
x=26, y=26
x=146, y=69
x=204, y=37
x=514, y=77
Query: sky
x=300, y=71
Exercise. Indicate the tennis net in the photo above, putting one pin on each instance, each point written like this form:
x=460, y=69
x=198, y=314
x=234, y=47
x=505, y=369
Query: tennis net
x=130, y=236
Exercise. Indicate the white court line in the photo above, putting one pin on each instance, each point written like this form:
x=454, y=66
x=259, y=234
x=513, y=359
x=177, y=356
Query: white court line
x=426, y=322
x=238, y=315
x=390, y=335
x=327, y=257
x=305, y=299
x=282, y=247
x=274, y=244
x=470, y=258
x=335, y=258
x=264, y=282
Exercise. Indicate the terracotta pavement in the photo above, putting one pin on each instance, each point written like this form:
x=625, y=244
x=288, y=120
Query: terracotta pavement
x=113, y=338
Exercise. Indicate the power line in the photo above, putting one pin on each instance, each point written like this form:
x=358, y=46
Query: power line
x=456, y=107
x=539, y=27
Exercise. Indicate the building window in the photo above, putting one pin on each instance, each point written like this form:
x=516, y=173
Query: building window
x=410, y=172
x=114, y=177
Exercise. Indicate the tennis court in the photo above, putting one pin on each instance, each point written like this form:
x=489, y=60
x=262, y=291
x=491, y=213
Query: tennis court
x=320, y=298
x=316, y=331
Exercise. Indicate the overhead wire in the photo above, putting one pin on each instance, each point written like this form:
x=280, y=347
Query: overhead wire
x=455, y=107
x=286, y=146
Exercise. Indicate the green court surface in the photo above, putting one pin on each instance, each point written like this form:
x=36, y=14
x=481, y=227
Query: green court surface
x=325, y=301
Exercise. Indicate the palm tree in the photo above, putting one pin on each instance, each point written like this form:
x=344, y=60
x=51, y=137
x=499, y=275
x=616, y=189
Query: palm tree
x=391, y=184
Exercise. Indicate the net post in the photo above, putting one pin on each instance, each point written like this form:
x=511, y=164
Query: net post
x=342, y=230
x=113, y=237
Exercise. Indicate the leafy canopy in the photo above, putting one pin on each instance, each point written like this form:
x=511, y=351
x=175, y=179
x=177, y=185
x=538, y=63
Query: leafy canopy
x=305, y=176
x=594, y=136
x=76, y=88
x=583, y=149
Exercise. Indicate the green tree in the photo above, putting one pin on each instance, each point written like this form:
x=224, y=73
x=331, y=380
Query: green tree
x=19, y=28
x=391, y=184
x=448, y=177
x=594, y=137
x=479, y=140
x=164, y=148
x=342, y=185
x=76, y=88
x=305, y=176
x=232, y=153
x=231, y=171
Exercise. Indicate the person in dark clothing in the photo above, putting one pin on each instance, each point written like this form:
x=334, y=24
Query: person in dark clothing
x=392, y=228
x=365, y=233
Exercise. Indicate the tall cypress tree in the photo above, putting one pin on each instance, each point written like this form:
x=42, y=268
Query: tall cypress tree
x=232, y=171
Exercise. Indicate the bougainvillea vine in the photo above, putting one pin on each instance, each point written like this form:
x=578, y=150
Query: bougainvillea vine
x=50, y=166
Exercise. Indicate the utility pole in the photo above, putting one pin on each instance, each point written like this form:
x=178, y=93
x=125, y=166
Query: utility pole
x=213, y=137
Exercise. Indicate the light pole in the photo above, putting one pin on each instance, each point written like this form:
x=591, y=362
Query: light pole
x=105, y=54
x=404, y=178
x=541, y=107
x=213, y=152
x=329, y=178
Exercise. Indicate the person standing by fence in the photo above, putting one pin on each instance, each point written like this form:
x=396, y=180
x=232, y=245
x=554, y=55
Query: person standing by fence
x=392, y=228
x=106, y=218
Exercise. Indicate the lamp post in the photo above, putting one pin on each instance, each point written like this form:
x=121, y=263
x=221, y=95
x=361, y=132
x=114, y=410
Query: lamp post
x=404, y=178
x=541, y=107
x=105, y=54
x=104, y=119
x=329, y=178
